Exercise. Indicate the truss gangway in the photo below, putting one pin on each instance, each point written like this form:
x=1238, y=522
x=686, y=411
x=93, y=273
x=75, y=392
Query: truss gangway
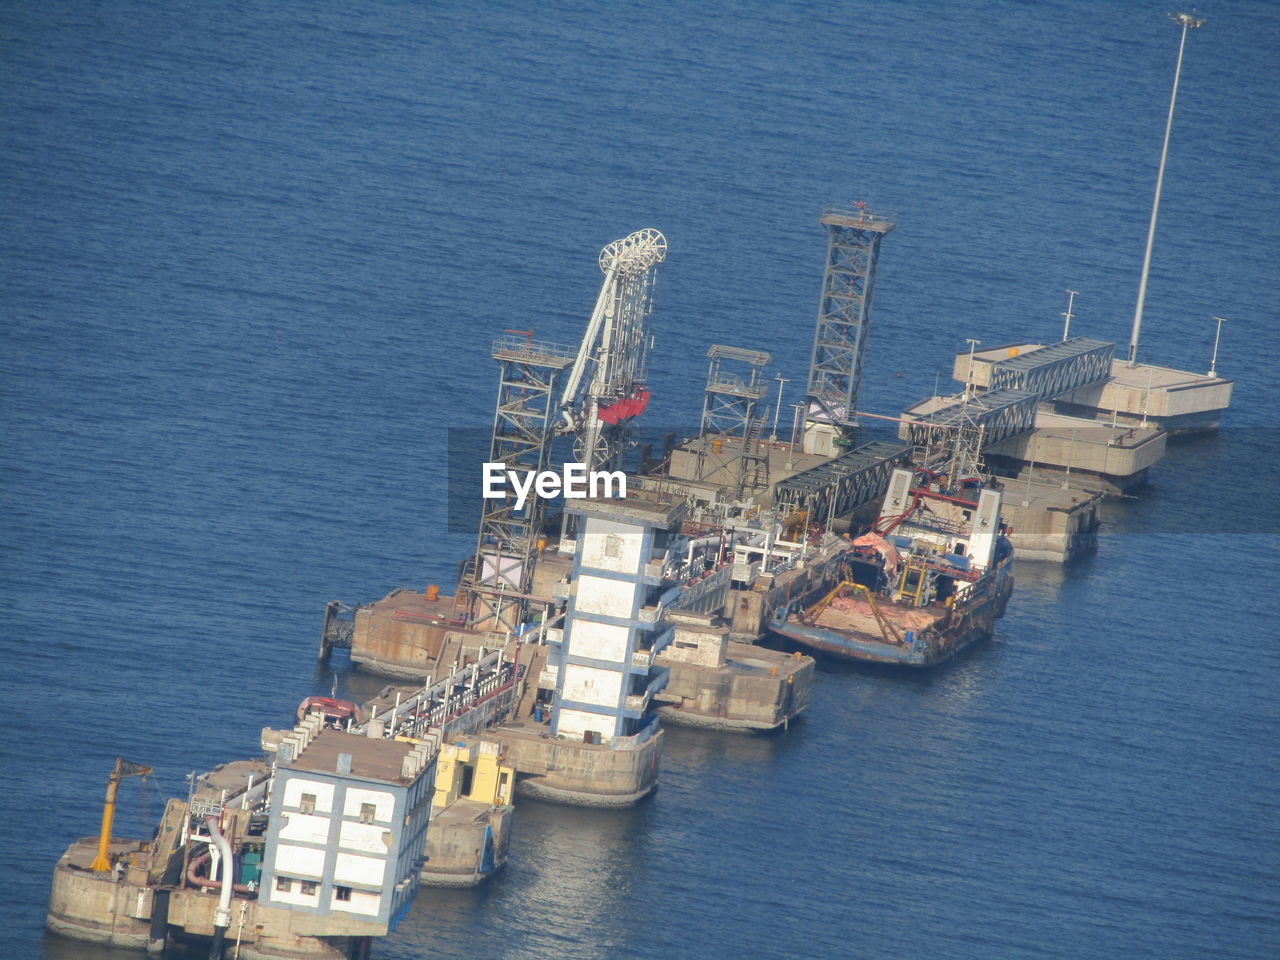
x=1058, y=368
x=1015, y=386
x=845, y=482
x=998, y=414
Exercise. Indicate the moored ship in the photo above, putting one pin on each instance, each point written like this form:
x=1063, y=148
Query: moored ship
x=929, y=579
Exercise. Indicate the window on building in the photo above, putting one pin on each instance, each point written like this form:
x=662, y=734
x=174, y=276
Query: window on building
x=367, y=812
x=308, y=803
x=308, y=888
x=342, y=893
x=284, y=884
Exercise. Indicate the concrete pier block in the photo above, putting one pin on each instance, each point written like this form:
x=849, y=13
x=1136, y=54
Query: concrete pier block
x=580, y=774
x=718, y=683
x=98, y=907
x=1050, y=522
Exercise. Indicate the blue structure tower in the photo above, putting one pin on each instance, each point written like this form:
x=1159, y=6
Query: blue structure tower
x=346, y=828
x=614, y=625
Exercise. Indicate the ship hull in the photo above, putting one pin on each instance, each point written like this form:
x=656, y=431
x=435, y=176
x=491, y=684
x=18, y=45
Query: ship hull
x=857, y=645
x=973, y=625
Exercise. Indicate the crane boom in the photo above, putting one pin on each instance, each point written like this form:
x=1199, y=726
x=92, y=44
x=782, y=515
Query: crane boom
x=123, y=768
x=608, y=368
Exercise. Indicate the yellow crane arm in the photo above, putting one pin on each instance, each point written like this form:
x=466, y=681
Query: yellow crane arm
x=825, y=602
x=889, y=631
x=123, y=768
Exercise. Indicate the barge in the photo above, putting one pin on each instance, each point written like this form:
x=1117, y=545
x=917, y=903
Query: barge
x=930, y=579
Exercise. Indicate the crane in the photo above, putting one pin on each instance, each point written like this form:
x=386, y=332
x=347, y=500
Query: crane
x=605, y=387
x=539, y=401
x=123, y=768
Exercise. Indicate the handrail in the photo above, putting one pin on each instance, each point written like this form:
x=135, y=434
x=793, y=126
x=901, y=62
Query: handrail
x=859, y=211
x=525, y=347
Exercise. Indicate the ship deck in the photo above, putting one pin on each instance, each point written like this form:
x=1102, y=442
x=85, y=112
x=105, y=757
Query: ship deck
x=853, y=615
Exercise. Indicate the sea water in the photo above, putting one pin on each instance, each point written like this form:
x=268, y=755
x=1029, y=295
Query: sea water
x=253, y=259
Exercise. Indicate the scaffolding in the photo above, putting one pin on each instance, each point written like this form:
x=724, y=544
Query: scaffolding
x=729, y=451
x=844, y=313
x=498, y=579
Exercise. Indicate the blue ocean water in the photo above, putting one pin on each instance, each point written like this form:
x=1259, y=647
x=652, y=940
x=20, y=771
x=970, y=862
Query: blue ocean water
x=253, y=257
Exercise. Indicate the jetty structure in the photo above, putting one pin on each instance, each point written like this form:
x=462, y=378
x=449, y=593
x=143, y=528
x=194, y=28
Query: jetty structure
x=620, y=600
x=727, y=526
x=574, y=634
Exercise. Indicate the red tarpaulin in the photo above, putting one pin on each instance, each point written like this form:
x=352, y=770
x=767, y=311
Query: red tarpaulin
x=625, y=408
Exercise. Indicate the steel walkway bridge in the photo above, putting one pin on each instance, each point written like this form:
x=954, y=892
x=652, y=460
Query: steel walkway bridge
x=841, y=484
x=998, y=414
x=1015, y=386
x=1049, y=371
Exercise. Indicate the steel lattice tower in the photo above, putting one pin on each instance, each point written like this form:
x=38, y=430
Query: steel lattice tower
x=844, y=314
x=522, y=431
x=730, y=431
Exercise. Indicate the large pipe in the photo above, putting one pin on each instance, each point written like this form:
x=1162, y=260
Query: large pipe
x=696, y=544
x=159, y=932
x=221, y=916
x=204, y=883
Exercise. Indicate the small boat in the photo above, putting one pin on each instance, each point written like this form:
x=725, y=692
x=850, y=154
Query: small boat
x=336, y=713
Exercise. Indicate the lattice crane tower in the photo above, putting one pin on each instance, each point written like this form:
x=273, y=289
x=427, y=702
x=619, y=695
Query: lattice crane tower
x=729, y=436
x=844, y=315
x=605, y=388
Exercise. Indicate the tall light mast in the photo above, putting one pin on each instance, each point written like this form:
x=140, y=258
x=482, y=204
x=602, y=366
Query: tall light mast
x=1187, y=22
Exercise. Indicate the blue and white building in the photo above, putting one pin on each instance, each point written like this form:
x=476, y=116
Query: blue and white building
x=614, y=625
x=347, y=825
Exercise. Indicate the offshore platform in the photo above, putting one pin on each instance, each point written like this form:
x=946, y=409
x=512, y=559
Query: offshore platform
x=579, y=628
x=316, y=845
x=719, y=529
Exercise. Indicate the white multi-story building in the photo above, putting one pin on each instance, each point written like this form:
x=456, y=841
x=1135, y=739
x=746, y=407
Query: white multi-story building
x=613, y=628
x=347, y=824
